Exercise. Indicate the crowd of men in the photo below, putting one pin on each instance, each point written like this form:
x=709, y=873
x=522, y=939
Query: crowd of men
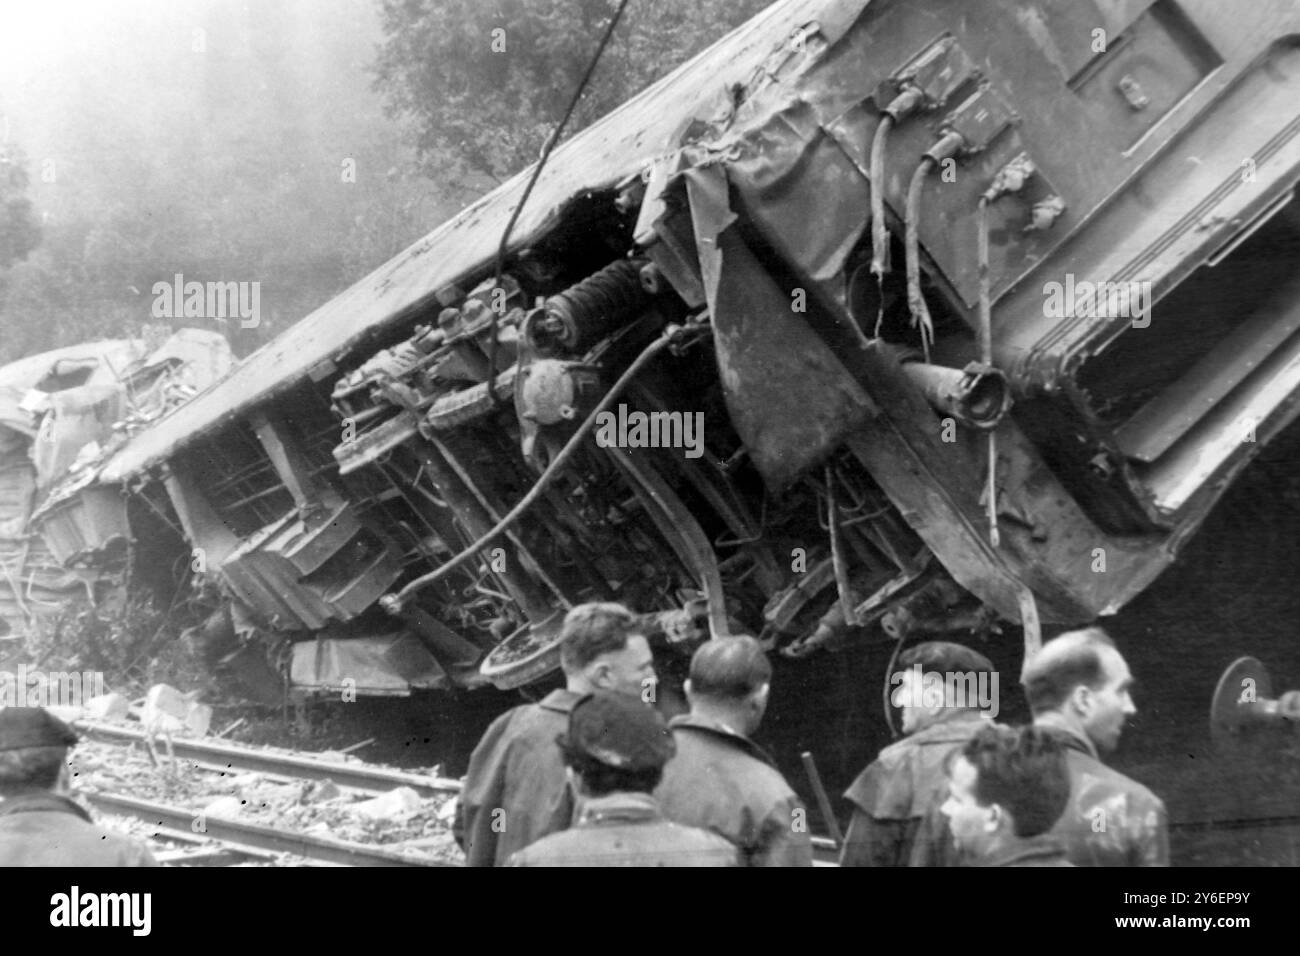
x=592, y=774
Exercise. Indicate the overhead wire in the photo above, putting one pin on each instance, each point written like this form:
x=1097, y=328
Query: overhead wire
x=547, y=148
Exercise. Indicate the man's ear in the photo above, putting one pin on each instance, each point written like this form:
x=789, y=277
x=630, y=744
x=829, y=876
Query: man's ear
x=996, y=816
x=1081, y=700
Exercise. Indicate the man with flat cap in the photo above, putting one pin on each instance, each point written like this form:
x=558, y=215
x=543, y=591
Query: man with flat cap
x=720, y=779
x=895, y=799
x=40, y=825
x=615, y=750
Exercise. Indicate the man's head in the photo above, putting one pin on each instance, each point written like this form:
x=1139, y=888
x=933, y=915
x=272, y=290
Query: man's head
x=603, y=648
x=1083, y=681
x=1005, y=783
x=616, y=744
x=935, y=663
x=730, y=680
x=33, y=750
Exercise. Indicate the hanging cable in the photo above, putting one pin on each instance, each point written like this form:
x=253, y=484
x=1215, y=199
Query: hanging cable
x=879, y=234
x=392, y=603
x=547, y=147
x=899, y=108
x=1011, y=178
x=947, y=147
x=911, y=244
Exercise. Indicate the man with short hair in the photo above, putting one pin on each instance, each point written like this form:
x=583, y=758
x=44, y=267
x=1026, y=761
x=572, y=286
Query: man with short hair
x=516, y=790
x=40, y=825
x=615, y=750
x=1078, y=687
x=720, y=779
x=1006, y=789
x=906, y=782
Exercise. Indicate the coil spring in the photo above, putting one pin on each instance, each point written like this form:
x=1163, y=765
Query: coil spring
x=594, y=307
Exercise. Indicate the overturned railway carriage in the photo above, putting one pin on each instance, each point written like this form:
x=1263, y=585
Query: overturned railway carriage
x=875, y=318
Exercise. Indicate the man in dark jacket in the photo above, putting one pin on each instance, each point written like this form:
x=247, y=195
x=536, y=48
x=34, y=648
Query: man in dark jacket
x=615, y=750
x=943, y=689
x=1078, y=687
x=516, y=790
x=39, y=824
x=722, y=781
x=1006, y=789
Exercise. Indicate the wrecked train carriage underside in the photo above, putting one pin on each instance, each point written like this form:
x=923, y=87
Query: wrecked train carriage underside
x=1012, y=399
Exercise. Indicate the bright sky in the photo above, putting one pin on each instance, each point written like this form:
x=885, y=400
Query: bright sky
x=35, y=34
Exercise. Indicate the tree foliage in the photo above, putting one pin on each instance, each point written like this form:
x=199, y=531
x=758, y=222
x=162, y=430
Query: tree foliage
x=252, y=152
x=484, y=81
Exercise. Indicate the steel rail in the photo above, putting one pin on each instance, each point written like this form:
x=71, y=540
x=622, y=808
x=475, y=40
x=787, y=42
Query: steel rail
x=310, y=846
x=237, y=757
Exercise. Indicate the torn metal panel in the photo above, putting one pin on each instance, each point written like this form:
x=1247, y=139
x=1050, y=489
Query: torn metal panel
x=389, y=665
x=349, y=568
x=76, y=417
x=89, y=363
x=86, y=526
x=204, y=528
x=788, y=395
x=32, y=583
x=51, y=404
x=789, y=165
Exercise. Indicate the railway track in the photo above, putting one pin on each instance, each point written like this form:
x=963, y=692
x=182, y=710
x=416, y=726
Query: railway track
x=237, y=839
x=198, y=837
x=220, y=755
x=225, y=841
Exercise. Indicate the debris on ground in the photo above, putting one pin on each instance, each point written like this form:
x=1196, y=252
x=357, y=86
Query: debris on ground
x=399, y=820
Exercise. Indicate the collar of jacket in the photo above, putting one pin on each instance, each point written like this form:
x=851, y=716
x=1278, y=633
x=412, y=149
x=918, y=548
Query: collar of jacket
x=721, y=731
x=1040, y=847
x=41, y=801
x=561, y=701
x=949, y=728
x=1074, y=739
x=616, y=808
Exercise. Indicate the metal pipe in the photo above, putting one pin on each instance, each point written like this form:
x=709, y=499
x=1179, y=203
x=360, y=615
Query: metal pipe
x=1010, y=178
x=985, y=330
x=879, y=234
x=977, y=395
x=947, y=147
x=911, y=244
x=392, y=603
x=838, y=561
x=899, y=108
x=823, y=800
